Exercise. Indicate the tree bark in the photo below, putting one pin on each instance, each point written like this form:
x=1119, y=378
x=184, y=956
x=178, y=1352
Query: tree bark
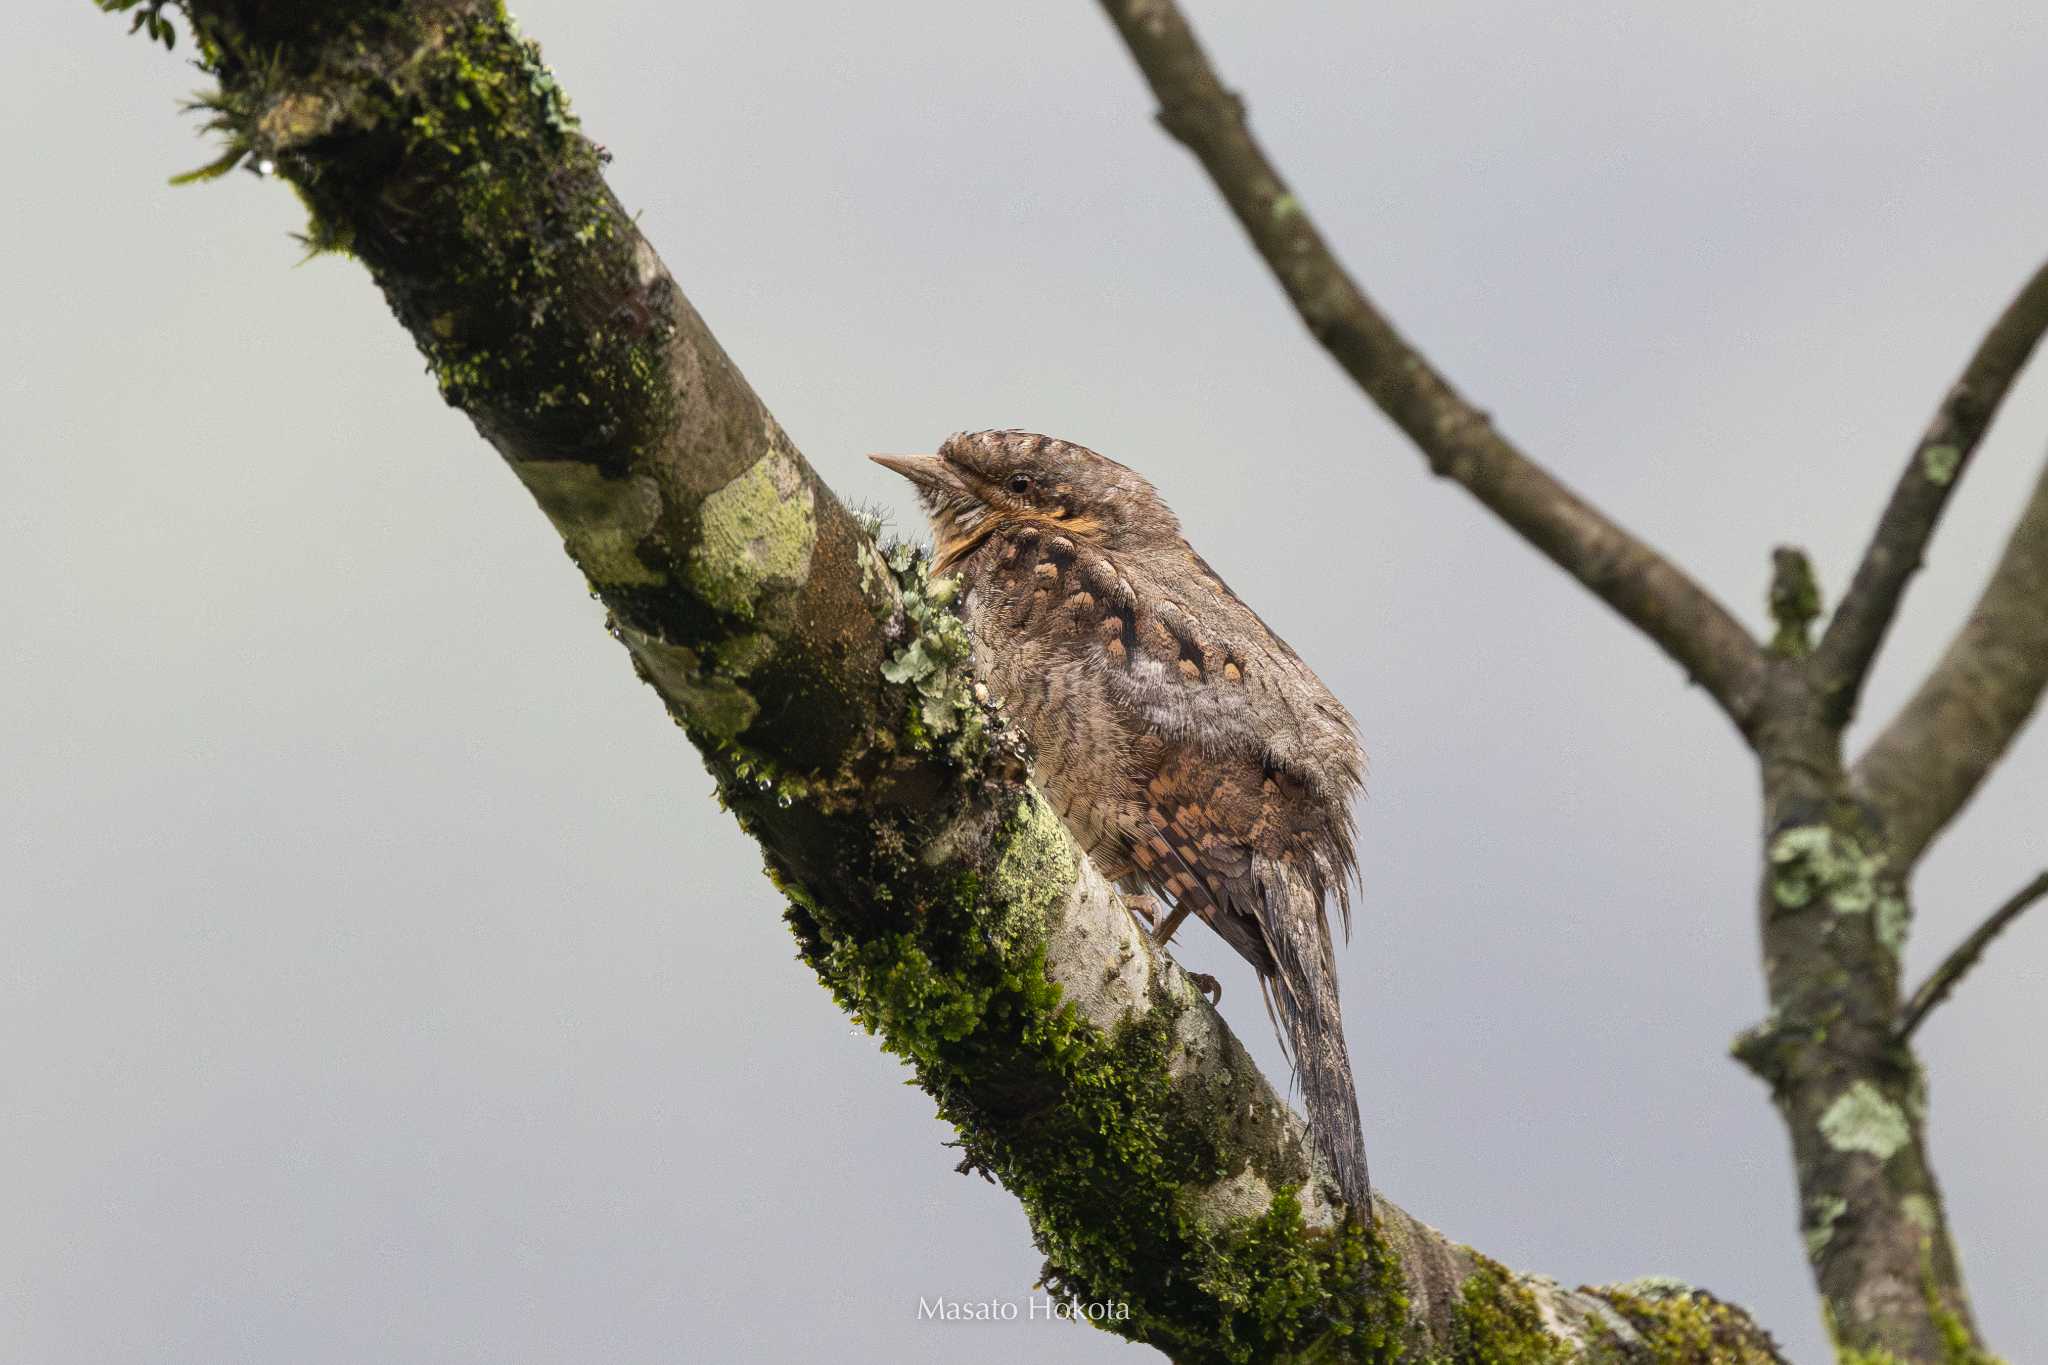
x=826, y=685
x=1834, y=912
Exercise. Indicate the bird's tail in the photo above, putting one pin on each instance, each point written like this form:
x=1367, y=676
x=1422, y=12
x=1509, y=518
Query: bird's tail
x=1305, y=993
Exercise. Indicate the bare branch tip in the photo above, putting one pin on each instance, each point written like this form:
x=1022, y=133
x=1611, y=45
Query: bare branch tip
x=1945, y=978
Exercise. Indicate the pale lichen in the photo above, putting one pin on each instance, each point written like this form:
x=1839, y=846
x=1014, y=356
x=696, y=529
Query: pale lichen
x=1654, y=1287
x=755, y=535
x=1817, y=861
x=1036, y=856
x=1862, y=1120
x=934, y=658
x=1891, y=921
x=1940, y=463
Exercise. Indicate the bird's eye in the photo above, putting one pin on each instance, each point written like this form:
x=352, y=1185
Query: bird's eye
x=1020, y=484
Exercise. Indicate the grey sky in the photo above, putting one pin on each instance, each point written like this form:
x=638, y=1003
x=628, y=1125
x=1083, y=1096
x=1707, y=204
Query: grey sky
x=381, y=982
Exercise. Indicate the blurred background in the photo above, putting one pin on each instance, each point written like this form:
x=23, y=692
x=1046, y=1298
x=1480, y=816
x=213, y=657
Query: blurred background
x=381, y=982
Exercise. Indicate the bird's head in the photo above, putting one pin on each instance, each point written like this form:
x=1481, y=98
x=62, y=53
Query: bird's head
x=983, y=482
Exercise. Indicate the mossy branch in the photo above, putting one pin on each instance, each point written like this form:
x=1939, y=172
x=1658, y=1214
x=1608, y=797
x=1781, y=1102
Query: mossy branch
x=826, y=683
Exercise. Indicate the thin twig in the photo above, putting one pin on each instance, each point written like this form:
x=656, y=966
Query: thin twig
x=1843, y=658
x=1458, y=439
x=1936, y=988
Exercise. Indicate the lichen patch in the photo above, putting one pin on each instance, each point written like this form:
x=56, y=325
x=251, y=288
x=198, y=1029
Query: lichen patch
x=1862, y=1120
x=1940, y=463
x=1816, y=862
x=755, y=535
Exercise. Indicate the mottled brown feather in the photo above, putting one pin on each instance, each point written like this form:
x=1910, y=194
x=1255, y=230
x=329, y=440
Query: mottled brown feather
x=1186, y=746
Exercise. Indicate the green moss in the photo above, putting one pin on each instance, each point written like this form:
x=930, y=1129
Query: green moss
x=1087, y=1126
x=1958, y=1346
x=1690, y=1328
x=1940, y=463
x=149, y=18
x=755, y=535
x=1497, y=1322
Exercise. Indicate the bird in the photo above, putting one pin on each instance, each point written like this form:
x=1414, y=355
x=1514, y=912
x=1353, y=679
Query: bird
x=1189, y=751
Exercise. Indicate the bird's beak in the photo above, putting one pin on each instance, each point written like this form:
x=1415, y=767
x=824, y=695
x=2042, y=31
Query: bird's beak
x=926, y=471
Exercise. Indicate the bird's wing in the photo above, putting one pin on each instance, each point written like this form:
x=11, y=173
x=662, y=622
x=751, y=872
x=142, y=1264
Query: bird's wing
x=1189, y=846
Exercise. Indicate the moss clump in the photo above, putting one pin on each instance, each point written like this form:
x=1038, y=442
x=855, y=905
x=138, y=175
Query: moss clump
x=1496, y=1322
x=149, y=18
x=1691, y=1328
x=1274, y=1276
x=1958, y=1346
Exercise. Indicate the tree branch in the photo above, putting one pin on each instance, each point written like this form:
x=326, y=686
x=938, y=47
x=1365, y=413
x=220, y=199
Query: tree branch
x=1899, y=545
x=1956, y=965
x=826, y=684
x=1937, y=751
x=1458, y=440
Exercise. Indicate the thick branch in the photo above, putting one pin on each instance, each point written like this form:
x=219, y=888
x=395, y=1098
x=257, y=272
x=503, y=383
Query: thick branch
x=1458, y=440
x=1938, y=750
x=826, y=685
x=1899, y=545
x=1945, y=978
